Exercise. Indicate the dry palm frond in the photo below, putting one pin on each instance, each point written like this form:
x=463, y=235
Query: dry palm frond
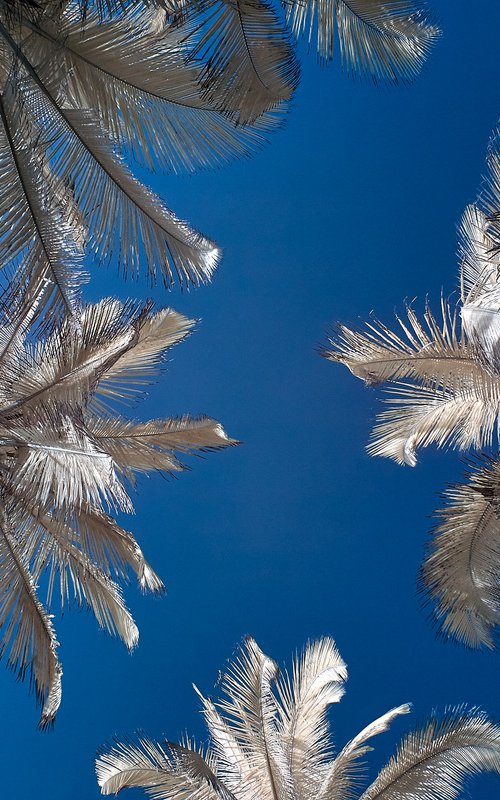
x=273, y=743
x=464, y=416
x=432, y=352
x=249, y=64
x=432, y=762
x=479, y=273
x=62, y=459
x=387, y=40
x=78, y=93
x=461, y=573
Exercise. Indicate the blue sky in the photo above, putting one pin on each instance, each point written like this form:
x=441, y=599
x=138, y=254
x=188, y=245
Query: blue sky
x=352, y=207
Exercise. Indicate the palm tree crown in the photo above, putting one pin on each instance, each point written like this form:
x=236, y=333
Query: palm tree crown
x=444, y=378
x=64, y=453
x=269, y=739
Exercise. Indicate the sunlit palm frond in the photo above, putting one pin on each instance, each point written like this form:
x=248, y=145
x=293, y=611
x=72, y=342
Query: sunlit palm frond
x=431, y=352
x=133, y=70
x=461, y=572
x=164, y=770
x=341, y=776
x=249, y=64
x=27, y=635
x=143, y=446
x=433, y=762
x=479, y=268
x=112, y=549
x=138, y=365
x=78, y=577
x=387, y=40
x=262, y=737
x=465, y=417
x=317, y=681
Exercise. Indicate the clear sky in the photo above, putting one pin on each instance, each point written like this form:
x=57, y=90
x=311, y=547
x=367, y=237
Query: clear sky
x=352, y=207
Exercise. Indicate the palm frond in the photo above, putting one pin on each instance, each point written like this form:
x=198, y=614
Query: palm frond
x=252, y=710
x=163, y=770
x=27, y=635
x=77, y=575
x=143, y=446
x=317, y=682
x=112, y=548
x=490, y=195
x=479, y=270
x=138, y=365
x=386, y=40
x=342, y=774
x=133, y=71
x=433, y=762
x=463, y=416
x=249, y=64
x=433, y=352
x=461, y=570
x=430, y=764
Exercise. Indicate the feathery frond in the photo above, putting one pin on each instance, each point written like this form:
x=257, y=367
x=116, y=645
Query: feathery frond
x=386, y=40
x=432, y=762
x=272, y=742
x=432, y=352
x=62, y=459
x=249, y=66
x=461, y=572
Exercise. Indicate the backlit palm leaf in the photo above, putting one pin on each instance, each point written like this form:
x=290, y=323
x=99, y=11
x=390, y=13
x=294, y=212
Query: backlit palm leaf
x=63, y=456
x=461, y=573
x=387, y=40
x=249, y=64
x=273, y=743
x=77, y=95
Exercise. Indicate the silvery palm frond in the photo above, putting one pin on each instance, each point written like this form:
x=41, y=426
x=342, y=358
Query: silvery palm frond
x=64, y=455
x=269, y=739
x=79, y=94
x=461, y=572
x=386, y=40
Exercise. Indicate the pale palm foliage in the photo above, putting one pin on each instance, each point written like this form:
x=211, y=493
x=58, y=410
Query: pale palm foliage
x=248, y=65
x=444, y=379
x=64, y=455
x=269, y=738
x=78, y=94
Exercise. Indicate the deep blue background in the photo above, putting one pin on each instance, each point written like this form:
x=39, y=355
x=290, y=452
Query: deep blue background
x=297, y=533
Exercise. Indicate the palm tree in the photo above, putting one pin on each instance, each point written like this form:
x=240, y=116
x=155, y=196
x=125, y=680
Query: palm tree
x=444, y=382
x=65, y=455
x=273, y=743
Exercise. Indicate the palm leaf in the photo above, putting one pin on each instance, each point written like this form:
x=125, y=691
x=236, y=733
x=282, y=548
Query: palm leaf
x=133, y=70
x=432, y=762
x=460, y=572
x=386, y=40
x=249, y=64
x=27, y=637
x=317, y=682
x=433, y=352
x=342, y=774
x=465, y=416
x=136, y=366
x=143, y=446
x=163, y=770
